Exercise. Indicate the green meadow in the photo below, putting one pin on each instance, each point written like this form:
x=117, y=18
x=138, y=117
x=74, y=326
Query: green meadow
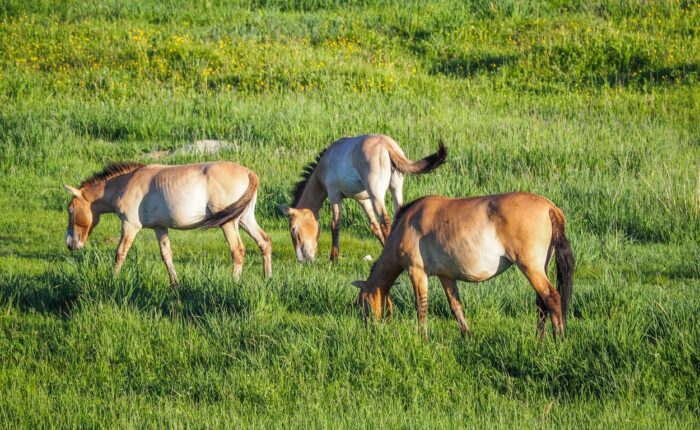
x=595, y=105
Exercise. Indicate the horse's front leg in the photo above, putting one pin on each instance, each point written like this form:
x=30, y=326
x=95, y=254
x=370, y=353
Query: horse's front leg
x=419, y=279
x=336, y=206
x=128, y=234
x=166, y=255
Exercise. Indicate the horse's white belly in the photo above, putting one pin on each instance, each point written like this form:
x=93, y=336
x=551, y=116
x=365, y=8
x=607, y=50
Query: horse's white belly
x=474, y=257
x=480, y=267
x=175, y=208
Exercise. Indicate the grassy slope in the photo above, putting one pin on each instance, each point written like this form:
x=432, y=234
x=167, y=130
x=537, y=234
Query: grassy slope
x=595, y=106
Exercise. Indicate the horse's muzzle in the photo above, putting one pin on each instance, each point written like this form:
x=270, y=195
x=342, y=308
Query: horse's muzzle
x=72, y=244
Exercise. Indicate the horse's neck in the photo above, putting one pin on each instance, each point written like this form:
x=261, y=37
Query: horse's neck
x=101, y=196
x=385, y=271
x=313, y=196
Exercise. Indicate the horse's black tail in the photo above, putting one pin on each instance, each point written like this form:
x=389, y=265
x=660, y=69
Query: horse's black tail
x=235, y=209
x=565, y=260
x=424, y=165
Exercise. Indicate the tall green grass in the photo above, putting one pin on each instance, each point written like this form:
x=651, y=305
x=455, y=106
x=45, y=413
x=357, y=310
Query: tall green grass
x=592, y=104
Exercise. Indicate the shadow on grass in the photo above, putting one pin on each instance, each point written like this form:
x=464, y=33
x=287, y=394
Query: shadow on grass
x=644, y=74
x=38, y=294
x=60, y=293
x=470, y=65
x=11, y=246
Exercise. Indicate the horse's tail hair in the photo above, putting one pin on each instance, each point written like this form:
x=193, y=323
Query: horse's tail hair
x=424, y=165
x=565, y=259
x=237, y=208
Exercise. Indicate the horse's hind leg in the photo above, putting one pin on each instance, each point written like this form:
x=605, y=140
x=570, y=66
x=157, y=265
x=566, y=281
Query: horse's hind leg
x=548, y=300
x=262, y=239
x=452, y=293
x=373, y=224
x=236, y=246
x=165, y=254
x=377, y=183
x=128, y=235
x=396, y=188
x=382, y=213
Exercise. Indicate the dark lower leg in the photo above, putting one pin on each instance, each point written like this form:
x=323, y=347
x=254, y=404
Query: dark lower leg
x=541, y=317
x=335, y=230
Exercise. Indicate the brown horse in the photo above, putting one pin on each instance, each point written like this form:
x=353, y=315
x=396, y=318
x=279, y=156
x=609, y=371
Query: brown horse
x=473, y=240
x=160, y=197
x=361, y=167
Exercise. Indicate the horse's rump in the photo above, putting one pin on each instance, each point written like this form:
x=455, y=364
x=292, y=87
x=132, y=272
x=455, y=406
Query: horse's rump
x=235, y=209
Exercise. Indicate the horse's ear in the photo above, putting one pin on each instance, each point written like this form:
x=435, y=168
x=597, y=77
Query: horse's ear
x=287, y=210
x=76, y=192
x=359, y=284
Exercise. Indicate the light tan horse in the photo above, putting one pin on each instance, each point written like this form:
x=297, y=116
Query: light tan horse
x=473, y=240
x=161, y=197
x=361, y=167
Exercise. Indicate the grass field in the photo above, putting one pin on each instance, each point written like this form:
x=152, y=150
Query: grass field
x=595, y=105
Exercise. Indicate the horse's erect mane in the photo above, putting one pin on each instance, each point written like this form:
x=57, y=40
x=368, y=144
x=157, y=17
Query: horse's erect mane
x=111, y=171
x=305, y=176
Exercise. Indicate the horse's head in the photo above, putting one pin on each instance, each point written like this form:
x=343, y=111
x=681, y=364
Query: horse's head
x=304, y=229
x=373, y=301
x=81, y=219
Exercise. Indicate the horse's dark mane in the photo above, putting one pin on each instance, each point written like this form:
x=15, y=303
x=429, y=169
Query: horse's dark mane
x=111, y=171
x=305, y=176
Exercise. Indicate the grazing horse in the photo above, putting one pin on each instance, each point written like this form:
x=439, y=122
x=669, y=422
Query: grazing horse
x=474, y=239
x=361, y=167
x=160, y=197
